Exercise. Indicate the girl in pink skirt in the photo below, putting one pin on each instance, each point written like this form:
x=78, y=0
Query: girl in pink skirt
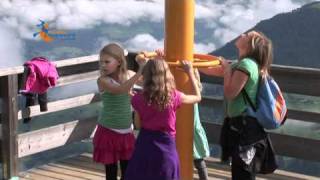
x=114, y=139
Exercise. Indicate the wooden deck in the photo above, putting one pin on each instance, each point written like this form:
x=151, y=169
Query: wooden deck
x=83, y=168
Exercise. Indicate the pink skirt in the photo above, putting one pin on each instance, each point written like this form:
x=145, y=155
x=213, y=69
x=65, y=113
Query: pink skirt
x=109, y=146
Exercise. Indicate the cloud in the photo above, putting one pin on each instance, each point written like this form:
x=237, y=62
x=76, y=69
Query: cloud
x=204, y=48
x=144, y=42
x=149, y=43
x=229, y=17
x=79, y=14
x=226, y=19
x=11, y=47
x=234, y=17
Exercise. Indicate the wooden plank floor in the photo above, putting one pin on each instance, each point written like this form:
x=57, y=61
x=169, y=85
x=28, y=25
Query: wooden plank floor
x=83, y=168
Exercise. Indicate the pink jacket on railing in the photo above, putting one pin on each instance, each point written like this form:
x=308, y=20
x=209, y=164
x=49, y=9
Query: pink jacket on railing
x=42, y=75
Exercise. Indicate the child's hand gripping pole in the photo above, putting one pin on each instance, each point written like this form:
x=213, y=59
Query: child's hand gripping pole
x=146, y=55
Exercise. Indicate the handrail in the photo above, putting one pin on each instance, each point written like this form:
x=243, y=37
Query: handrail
x=305, y=81
x=297, y=80
x=296, y=114
x=95, y=57
x=59, y=63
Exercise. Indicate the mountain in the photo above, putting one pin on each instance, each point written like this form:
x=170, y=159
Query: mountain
x=295, y=36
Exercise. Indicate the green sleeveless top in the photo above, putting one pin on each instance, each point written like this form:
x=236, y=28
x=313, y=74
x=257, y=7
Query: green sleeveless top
x=237, y=106
x=116, y=111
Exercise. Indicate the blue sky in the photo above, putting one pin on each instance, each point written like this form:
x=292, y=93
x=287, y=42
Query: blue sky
x=227, y=19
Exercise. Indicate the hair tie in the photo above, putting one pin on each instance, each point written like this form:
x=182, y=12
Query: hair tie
x=125, y=52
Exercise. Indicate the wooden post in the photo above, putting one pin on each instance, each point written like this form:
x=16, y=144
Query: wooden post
x=9, y=117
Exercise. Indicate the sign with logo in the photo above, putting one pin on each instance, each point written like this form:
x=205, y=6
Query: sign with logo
x=48, y=35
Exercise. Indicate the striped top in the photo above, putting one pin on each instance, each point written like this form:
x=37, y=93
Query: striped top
x=116, y=111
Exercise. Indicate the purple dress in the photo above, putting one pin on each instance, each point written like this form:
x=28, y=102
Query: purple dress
x=155, y=156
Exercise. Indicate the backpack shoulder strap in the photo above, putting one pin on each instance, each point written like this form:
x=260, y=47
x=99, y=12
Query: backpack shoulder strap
x=247, y=98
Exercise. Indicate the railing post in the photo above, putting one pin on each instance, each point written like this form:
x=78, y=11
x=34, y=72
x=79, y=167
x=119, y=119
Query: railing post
x=9, y=120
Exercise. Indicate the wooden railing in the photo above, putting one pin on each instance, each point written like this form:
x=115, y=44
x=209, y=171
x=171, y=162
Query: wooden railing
x=14, y=146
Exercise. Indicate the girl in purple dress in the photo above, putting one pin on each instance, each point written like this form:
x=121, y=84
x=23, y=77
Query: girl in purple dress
x=155, y=156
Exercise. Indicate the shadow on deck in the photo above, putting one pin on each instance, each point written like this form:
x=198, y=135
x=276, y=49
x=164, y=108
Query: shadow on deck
x=83, y=168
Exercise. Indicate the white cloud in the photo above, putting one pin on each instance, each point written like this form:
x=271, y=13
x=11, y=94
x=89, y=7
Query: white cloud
x=205, y=11
x=234, y=17
x=144, y=42
x=11, y=48
x=266, y=8
x=149, y=43
x=79, y=14
x=203, y=48
x=225, y=34
x=227, y=19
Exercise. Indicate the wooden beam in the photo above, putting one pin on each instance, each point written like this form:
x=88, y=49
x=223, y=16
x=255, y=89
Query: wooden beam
x=71, y=79
x=297, y=147
x=285, y=145
x=59, y=63
x=78, y=68
x=76, y=78
x=60, y=105
x=11, y=71
x=55, y=136
x=77, y=60
x=9, y=117
x=211, y=79
x=92, y=98
x=304, y=116
x=297, y=80
x=292, y=114
x=304, y=81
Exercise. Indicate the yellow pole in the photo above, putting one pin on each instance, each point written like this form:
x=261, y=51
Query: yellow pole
x=179, y=38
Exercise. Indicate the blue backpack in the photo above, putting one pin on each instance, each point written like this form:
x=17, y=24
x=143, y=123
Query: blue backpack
x=271, y=109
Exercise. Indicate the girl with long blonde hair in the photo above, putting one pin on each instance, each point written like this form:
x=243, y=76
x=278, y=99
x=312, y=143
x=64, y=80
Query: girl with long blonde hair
x=155, y=155
x=114, y=141
x=243, y=139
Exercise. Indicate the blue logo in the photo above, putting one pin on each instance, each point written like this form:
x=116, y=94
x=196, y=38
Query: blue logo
x=48, y=35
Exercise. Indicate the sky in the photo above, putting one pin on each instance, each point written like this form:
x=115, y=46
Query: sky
x=226, y=18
